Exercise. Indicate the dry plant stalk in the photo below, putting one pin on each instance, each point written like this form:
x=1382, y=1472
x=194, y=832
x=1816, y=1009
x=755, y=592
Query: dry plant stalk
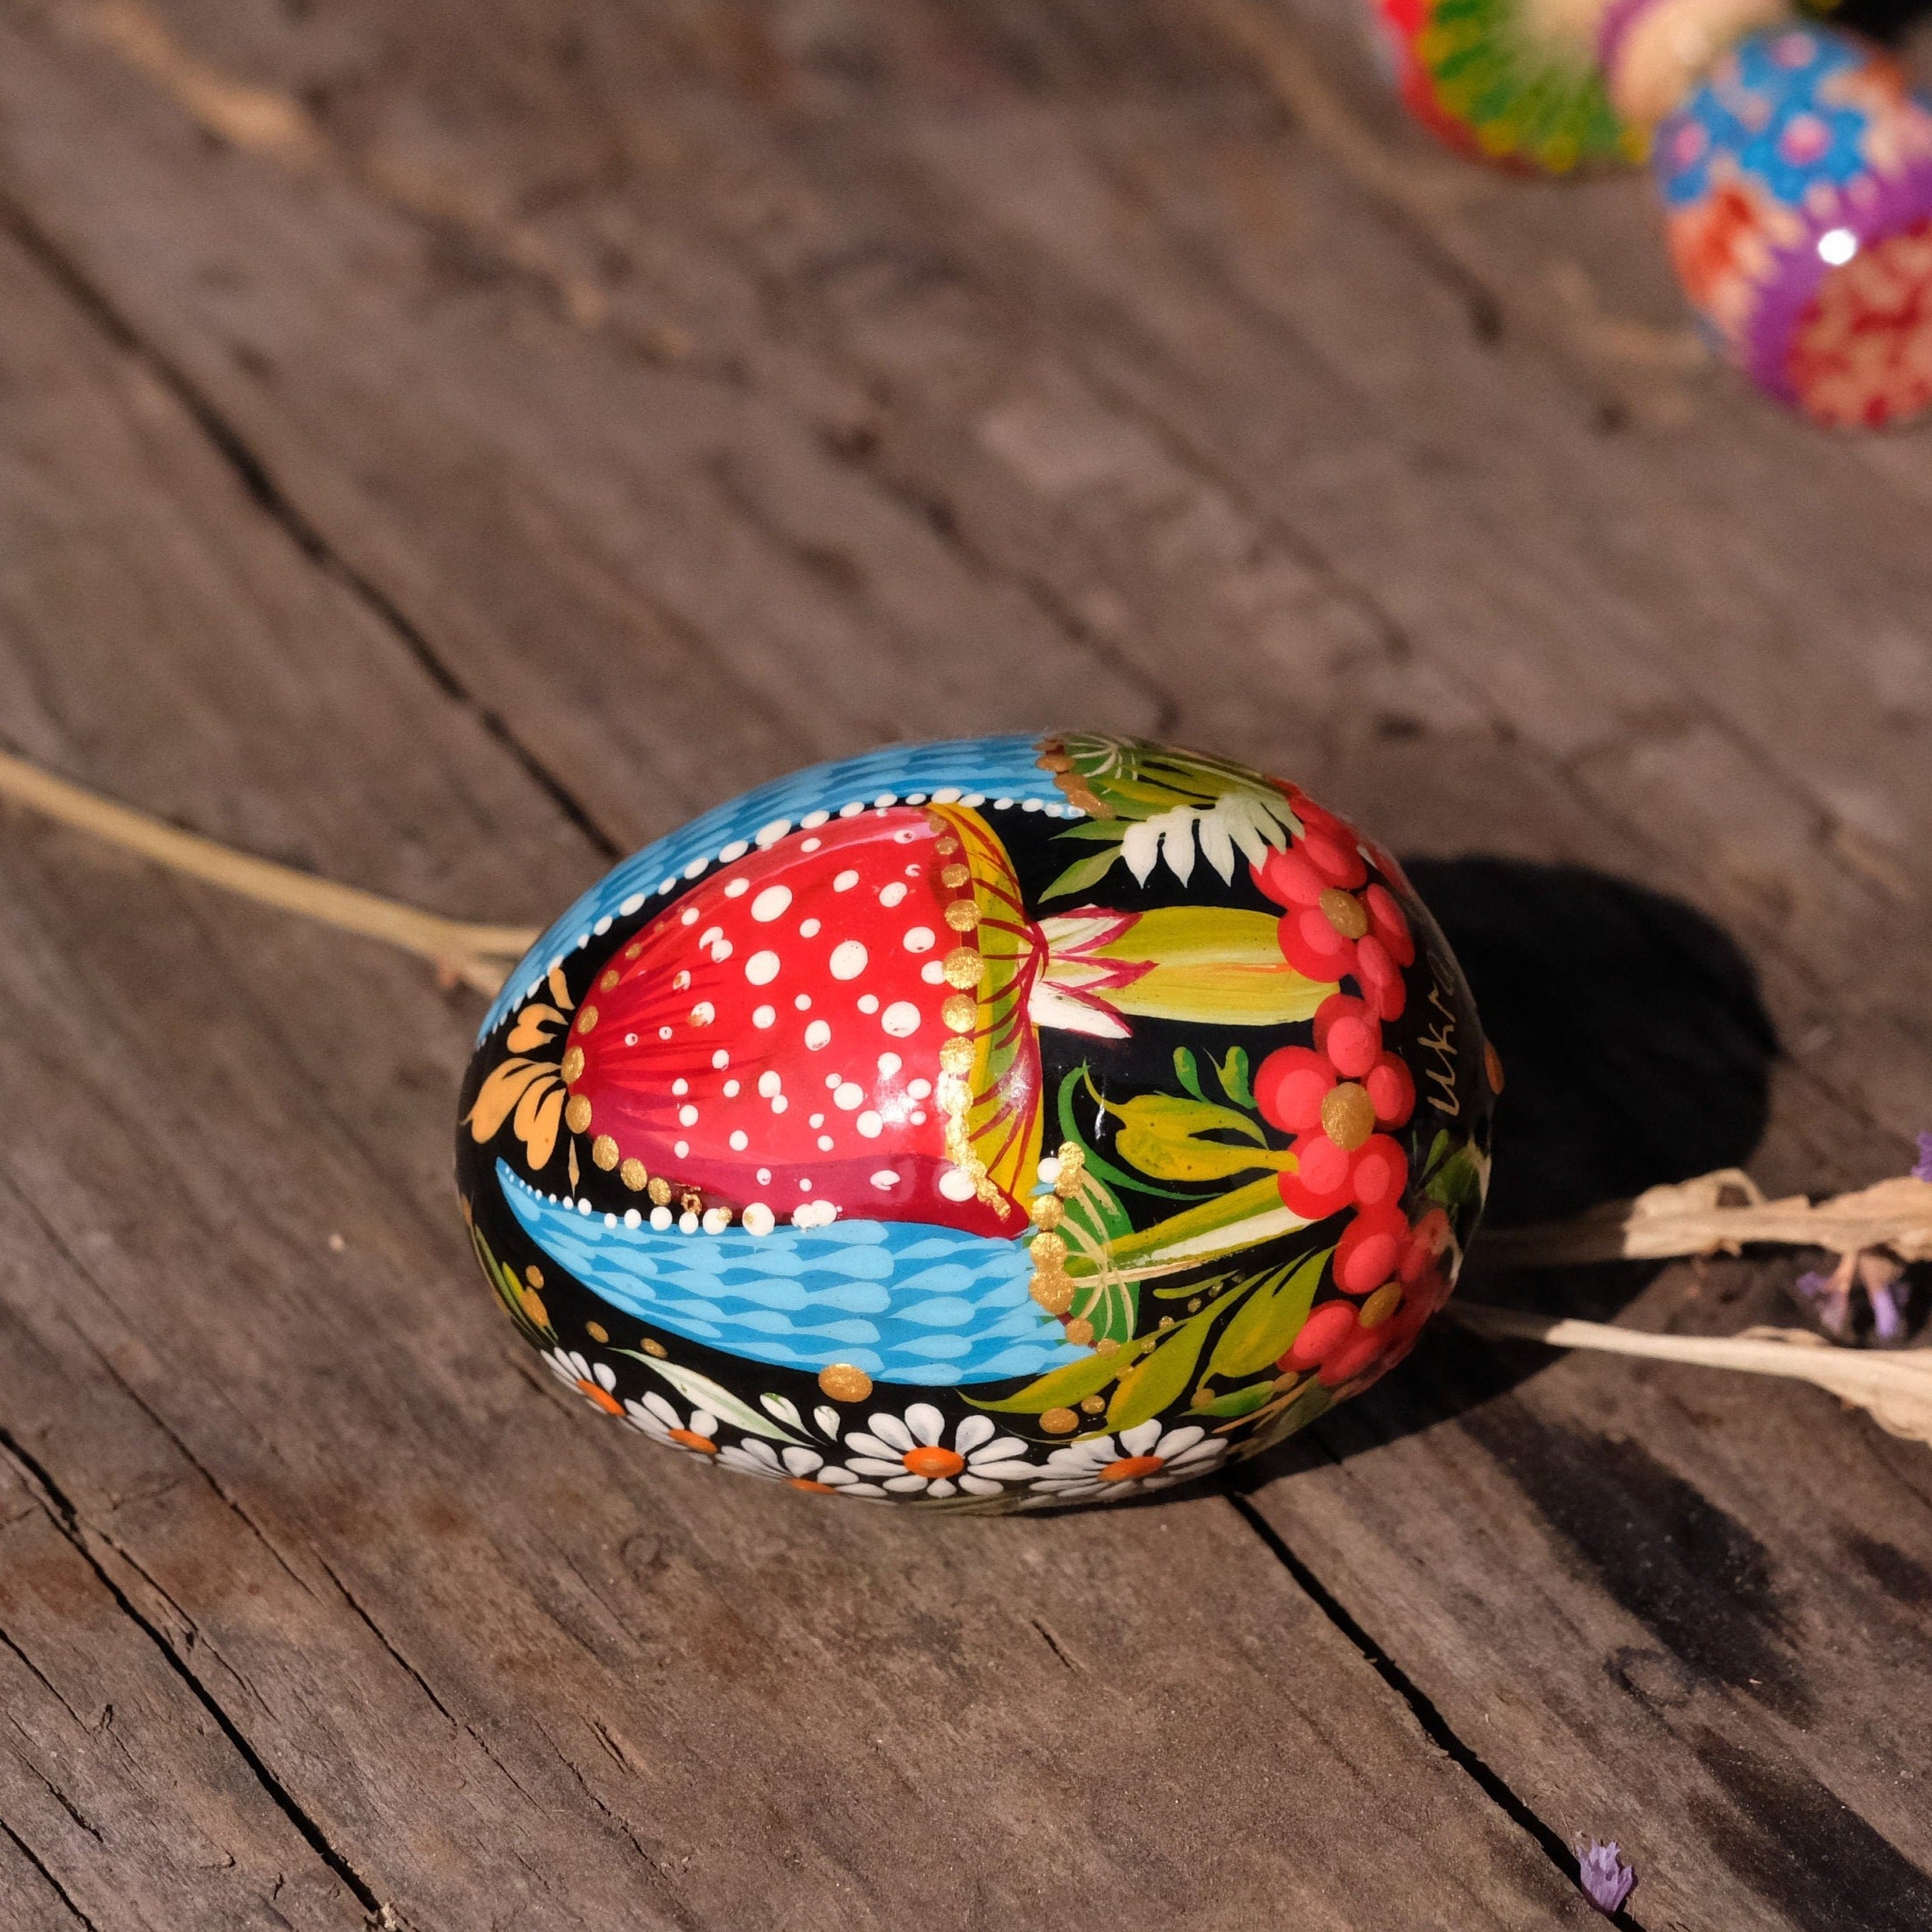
x=1878, y=1227
x=1894, y=1386
x=476, y=956
x=1695, y=1217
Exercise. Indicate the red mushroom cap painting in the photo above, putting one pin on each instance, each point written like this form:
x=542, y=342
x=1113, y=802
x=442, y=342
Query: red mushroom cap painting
x=1006, y=1123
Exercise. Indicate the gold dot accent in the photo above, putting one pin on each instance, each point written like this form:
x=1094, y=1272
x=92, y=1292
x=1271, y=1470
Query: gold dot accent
x=533, y=1306
x=573, y=1067
x=1079, y=1331
x=1344, y=912
x=956, y=1056
x=651, y=1348
x=534, y=1276
x=962, y=915
x=1046, y=1210
x=960, y=1011
x=843, y=1382
x=632, y=1175
x=1073, y=1164
x=963, y=967
x=1048, y=1250
x=954, y=876
x=604, y=1152
x=1094, y=1405
x=576, y=1115
x=596, y=1331
x=586, y=1019
x=1166, y=1321
x=1054, y=761
x=1106, y=1346
x=947, y=846
x=691, y=1201
x=1381, y=1304
x=1348, y=1115
x=633, y=948
x=1054, y=1292
x=660, y=1191
x=1059, y=1422
x=1492, y=1065
x=609, y=980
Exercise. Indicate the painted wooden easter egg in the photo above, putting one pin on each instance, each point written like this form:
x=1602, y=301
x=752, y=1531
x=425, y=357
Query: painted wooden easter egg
x=1002, y=1123
x=1513, y=80
x=1797, y=189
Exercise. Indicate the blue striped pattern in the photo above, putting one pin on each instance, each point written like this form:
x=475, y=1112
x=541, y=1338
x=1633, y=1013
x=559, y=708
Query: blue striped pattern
x=905, y=1301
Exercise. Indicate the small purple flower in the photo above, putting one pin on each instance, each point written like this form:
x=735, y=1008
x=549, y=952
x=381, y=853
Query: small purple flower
x=1884, y=1280
x=1887, y=1317
x=1607, y=1880
x=1831, y=1295
x=1924, y=1171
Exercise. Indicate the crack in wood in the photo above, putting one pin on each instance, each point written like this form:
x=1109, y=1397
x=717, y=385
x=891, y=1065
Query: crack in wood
x=66, y=1518
x=80, y=1819
x=46, y=1681
x=52, y=1884
x=680, y=1916
x=862, y=454
x=1428, y=1717
x=258, y=482
x=1058, y=1649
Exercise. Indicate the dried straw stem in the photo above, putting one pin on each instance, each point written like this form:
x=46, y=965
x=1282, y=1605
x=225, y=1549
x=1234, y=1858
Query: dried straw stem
x=478, y=955
x=1894, y=1386
x=1696, y=1217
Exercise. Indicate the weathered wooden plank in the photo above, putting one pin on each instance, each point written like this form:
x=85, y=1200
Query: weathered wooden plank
x=1662, y=1649
x=1274, y=466
x=1292, y=449
x=125, y=1802
x=529, y=517
x=514, y=1669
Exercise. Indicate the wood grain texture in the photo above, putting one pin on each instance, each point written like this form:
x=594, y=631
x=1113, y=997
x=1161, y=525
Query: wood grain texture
x=504, y=1670
x=450, y=442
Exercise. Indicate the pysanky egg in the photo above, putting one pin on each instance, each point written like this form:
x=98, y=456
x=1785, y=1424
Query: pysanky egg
x=1512, y=81
x=1797, y=181
x=1008, y=1123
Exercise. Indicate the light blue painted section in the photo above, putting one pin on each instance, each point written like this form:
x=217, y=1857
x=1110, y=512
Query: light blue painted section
x=905, y=1301
x=981, y=769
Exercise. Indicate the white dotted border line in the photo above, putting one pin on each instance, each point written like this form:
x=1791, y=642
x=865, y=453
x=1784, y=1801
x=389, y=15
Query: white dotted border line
x=768, y=835
x=758, y=1221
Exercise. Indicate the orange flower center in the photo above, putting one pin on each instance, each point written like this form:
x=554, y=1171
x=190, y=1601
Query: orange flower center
x=602, y=1398
x=1129, y=1468
x=933, y=1463
x=686, y=1439
x=817, y=1488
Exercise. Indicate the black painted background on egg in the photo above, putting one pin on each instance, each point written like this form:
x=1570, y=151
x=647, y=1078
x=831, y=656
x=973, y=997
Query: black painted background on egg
x=1143, y=1062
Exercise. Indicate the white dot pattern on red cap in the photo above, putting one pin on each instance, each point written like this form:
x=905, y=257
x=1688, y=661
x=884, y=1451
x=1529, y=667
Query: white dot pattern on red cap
x=810, y=959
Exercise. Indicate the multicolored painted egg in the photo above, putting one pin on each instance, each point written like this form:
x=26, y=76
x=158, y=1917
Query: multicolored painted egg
x=1007, y=1123
x=1514, y=82
x=1797, y=190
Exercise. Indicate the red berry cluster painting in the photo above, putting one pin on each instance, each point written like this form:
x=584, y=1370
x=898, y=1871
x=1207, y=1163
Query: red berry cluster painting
x=1006, y=1123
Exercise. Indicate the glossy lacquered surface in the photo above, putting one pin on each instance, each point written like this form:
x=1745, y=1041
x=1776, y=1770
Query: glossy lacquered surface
x=1012, y=1122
